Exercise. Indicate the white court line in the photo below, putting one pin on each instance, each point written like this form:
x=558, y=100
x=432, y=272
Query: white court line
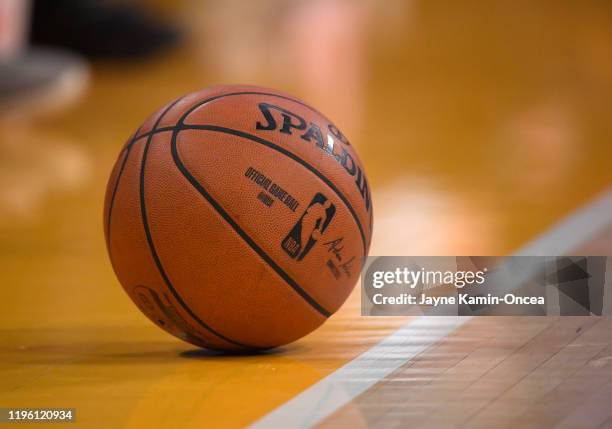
x=570, y=232
x=339, y=388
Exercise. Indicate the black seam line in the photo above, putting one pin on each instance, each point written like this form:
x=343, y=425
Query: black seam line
x=310, y=300
x=153, y=132
x=230, y=94
x=201, y=102
x=291, y=155
x=112, y=201
x=152, y=246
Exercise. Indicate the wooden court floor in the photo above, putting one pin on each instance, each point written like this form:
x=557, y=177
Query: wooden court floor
x=481, y=126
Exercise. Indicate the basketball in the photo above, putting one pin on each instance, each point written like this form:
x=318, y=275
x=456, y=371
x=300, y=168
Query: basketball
x=238, y=218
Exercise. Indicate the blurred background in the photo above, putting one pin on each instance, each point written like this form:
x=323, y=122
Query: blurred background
x=480, y=123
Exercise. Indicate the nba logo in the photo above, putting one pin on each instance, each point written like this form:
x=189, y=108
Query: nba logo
x=309, y=227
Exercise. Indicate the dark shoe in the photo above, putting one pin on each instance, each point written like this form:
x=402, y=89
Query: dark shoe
x=97, y=29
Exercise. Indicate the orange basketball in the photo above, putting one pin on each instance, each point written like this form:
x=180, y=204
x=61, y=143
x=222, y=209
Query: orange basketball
x=238, y=218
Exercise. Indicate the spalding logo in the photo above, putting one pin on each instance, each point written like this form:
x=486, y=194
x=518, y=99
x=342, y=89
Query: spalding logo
x=291, y=121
